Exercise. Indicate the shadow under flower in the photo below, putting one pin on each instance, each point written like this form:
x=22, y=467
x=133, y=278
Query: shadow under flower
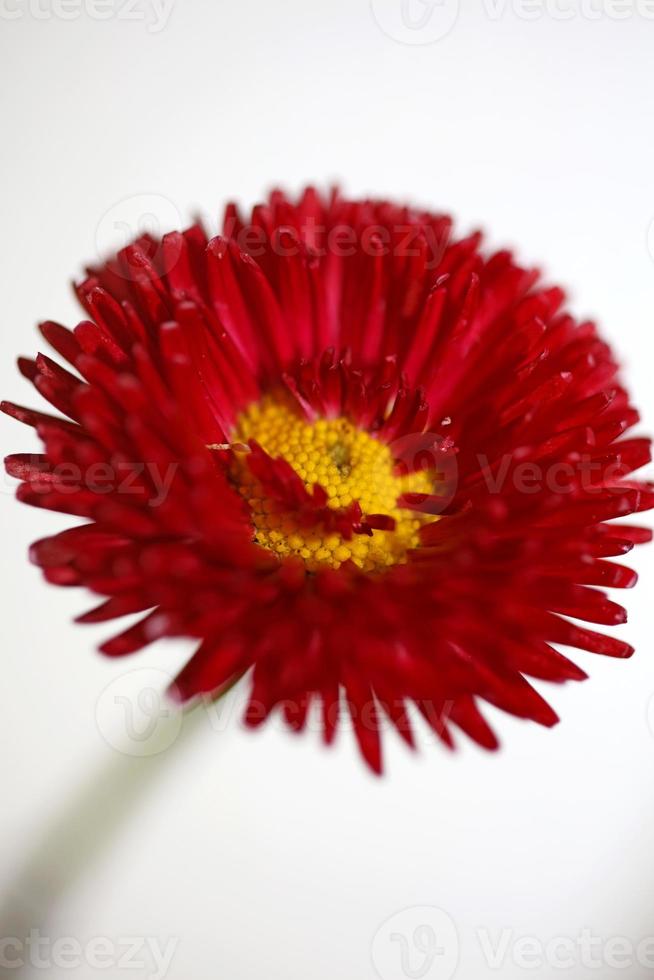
x=81, y=831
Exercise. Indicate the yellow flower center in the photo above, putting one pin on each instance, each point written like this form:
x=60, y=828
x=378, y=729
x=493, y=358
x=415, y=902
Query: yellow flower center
x=349, y=464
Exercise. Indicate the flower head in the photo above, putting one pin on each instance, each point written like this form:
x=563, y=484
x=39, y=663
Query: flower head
x=347, y=452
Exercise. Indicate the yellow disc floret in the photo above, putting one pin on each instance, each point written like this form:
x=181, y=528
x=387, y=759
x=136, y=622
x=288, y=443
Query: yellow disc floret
x=350, y=464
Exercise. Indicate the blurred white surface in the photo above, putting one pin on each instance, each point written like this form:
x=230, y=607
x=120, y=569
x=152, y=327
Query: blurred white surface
x=264, y=855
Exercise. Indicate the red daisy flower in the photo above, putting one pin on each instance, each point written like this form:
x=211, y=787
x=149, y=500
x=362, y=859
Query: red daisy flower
x=344, y=450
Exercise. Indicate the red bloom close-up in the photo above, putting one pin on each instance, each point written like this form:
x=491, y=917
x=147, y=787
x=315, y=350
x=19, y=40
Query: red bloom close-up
x=360, y=459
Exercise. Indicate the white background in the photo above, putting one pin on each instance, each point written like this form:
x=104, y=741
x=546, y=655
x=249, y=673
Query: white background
x=264, y=855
